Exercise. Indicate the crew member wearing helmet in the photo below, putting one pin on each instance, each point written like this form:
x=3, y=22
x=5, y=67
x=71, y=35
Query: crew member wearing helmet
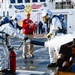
x=7, y=28
x=28, y=29
x=55, y=26
x=46, y=18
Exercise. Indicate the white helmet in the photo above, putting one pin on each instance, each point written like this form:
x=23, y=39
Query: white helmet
x=16, y=17
x=46, y=12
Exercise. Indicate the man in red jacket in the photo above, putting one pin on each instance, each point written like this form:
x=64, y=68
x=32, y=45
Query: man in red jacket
x=28, y=30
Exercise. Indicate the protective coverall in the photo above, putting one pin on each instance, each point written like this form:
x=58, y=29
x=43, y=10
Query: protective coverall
x=4, y=53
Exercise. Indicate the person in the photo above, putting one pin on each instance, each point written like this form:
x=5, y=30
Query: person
x=55, y=27
x=45, y=25
x=28, y=29
x=40, y=27
x=7, y=28
x=36, y=31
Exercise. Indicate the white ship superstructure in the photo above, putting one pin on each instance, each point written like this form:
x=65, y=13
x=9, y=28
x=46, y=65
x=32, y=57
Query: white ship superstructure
x=11, y=7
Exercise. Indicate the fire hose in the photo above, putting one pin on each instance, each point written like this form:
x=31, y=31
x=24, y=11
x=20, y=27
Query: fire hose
x=33, y=42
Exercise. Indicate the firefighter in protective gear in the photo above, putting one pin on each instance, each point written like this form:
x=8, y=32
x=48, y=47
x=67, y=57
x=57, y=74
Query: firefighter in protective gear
x=7, y=28
x=55, y=25
x=46, y=18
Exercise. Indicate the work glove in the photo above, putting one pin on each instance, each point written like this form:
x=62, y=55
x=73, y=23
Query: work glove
x=48, y=35
x=27, y=40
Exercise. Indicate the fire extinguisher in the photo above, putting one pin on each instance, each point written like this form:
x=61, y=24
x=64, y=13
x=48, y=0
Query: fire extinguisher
x=12, y=56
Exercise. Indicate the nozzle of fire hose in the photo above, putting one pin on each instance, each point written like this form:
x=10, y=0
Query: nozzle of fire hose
x=37, y=42
x=10, y=48
x=26, y=38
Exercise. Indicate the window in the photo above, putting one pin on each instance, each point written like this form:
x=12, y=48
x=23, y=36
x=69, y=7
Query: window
x=42, y=0
x=12, y=1
x=27, y=1
x=34, y=0
x=20, y=1
x=63, y=5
